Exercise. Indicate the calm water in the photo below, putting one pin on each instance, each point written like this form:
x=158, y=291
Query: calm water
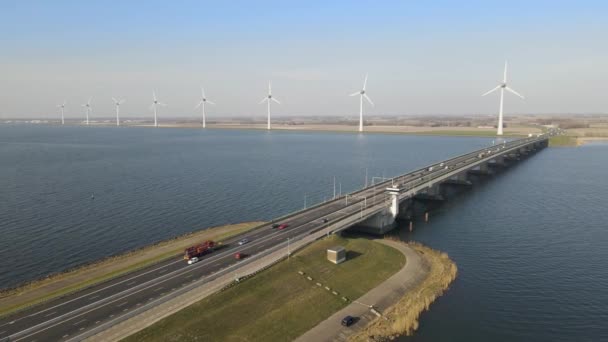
x=71, y=195
x=530, y=243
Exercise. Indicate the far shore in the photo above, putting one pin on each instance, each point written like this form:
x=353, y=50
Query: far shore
x=60, y=284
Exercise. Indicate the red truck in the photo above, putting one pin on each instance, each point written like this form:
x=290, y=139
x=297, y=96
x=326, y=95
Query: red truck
x=198, y=250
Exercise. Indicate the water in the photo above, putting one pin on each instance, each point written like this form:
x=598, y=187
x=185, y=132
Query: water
x=72, y=195
x=530, y=243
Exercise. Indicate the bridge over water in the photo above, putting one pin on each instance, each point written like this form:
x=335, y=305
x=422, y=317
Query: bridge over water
x=108, y=305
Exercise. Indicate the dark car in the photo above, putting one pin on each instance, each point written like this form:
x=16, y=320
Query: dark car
x=325, y=220
x=275, y=225
x=348, y=321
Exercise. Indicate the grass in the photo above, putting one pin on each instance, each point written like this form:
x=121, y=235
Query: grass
x=61, y=284
x=562, y=141
x=279, y=304
x=402, y=318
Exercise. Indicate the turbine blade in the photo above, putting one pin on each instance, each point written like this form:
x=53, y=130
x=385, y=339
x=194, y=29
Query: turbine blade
x=199, y=104
x=365, y=82
x=162, y=104
x=263, y=100
x=368, y=99
x=115, y=100
x=154, y=95
x=491, y=91
x=122, y=101
x=203, y=92
x=505, y=74
x=275, y=100
x=269, y=88
x=90, y=99
x=514, y=92
x=355, y=94
x=209, y=102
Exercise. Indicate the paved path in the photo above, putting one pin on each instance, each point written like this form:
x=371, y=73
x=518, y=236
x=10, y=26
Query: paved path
x=381, y=297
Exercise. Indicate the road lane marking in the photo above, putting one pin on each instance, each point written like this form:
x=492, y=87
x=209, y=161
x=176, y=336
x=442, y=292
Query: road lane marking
x=131, y=283
x=82, y=320
x=52, y=313
x=93, y=297
x=119, y=305
x=158, y=289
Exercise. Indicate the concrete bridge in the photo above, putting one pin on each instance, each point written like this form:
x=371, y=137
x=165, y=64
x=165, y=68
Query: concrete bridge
x=115, y=304
x=382, y=204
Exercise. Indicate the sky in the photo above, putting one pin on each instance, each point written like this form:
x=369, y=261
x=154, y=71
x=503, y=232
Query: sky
x=423, y=57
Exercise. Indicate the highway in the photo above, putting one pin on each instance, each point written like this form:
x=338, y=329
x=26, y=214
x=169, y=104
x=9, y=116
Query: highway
x=67, y=318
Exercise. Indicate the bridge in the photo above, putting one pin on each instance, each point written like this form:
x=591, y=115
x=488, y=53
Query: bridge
x=373, y=209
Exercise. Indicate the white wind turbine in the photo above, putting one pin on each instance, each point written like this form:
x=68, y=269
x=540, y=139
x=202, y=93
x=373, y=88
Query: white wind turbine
x=269, y=99
x=62, y=106
x=362, y=94
x=88, y=108
x=502, y=86
x=202, y=104
x=117, y=103
x=155, y=103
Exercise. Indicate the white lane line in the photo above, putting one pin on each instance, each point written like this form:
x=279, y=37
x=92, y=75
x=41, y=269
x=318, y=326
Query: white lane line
x=131, y=283
x=66, y=335
x=189, y=275
x=173, y=274
x=125, y=309
x=162, y=271
x=81, y=329
x=82, y=320
x=52, y=313
x=119, y=305
x=158, y=289
x=93, y=297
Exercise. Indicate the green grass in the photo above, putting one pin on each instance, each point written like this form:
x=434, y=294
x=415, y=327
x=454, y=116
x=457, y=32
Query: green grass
x=279, y=304
x=562, y=140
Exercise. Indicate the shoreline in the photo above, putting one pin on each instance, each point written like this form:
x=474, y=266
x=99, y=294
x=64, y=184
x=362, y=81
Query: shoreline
x=347, y=129
x=59, y=284
x=401, y=318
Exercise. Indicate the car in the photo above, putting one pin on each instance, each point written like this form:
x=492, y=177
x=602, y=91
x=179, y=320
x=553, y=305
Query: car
x=243, y=241
x=239, y=256
x=348, y=321
x=324, y=220
x=283, y=226
x=275, y=225
x=192, y=261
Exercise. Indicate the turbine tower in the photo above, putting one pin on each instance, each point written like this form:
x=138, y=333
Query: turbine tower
x=62, y=106
x=117, y=103
x=202, y=104
x=362, y=94
x=88, y=108
x=269, y=99
x=502, y=86
x=155, y=103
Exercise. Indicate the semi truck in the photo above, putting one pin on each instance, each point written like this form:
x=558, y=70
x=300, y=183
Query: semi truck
x=199, y=250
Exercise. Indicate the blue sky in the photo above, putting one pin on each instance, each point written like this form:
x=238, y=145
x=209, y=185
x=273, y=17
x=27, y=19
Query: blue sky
x=423, y=57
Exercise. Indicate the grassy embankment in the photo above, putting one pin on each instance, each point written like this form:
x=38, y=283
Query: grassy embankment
x=563, y=141
x=279, y=304
x=76, y=279
x=402, y=318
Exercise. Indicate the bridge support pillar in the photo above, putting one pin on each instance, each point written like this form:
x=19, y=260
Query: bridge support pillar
x=384, y=221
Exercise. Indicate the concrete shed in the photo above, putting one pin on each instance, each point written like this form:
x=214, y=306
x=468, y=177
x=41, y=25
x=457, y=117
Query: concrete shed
x=336, y=254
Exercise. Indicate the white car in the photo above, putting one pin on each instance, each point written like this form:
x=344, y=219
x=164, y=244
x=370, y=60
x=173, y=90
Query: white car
x=192, y=261
x=242, y=242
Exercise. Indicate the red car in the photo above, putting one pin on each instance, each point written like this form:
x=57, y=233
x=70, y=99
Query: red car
x=283, y=226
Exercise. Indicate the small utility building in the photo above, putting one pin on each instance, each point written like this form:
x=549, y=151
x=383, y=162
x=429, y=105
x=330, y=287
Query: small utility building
x=336, y=254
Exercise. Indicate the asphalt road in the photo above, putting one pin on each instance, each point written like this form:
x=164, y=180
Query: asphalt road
x=68, y=317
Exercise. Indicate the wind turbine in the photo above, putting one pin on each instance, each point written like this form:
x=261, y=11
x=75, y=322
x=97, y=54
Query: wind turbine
x=202, y=104
x=88, y=108
x=362, y=94
x=117, y=103
x=155, y=103
x=62, y=106
x=502, y=86
x=269, y=99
